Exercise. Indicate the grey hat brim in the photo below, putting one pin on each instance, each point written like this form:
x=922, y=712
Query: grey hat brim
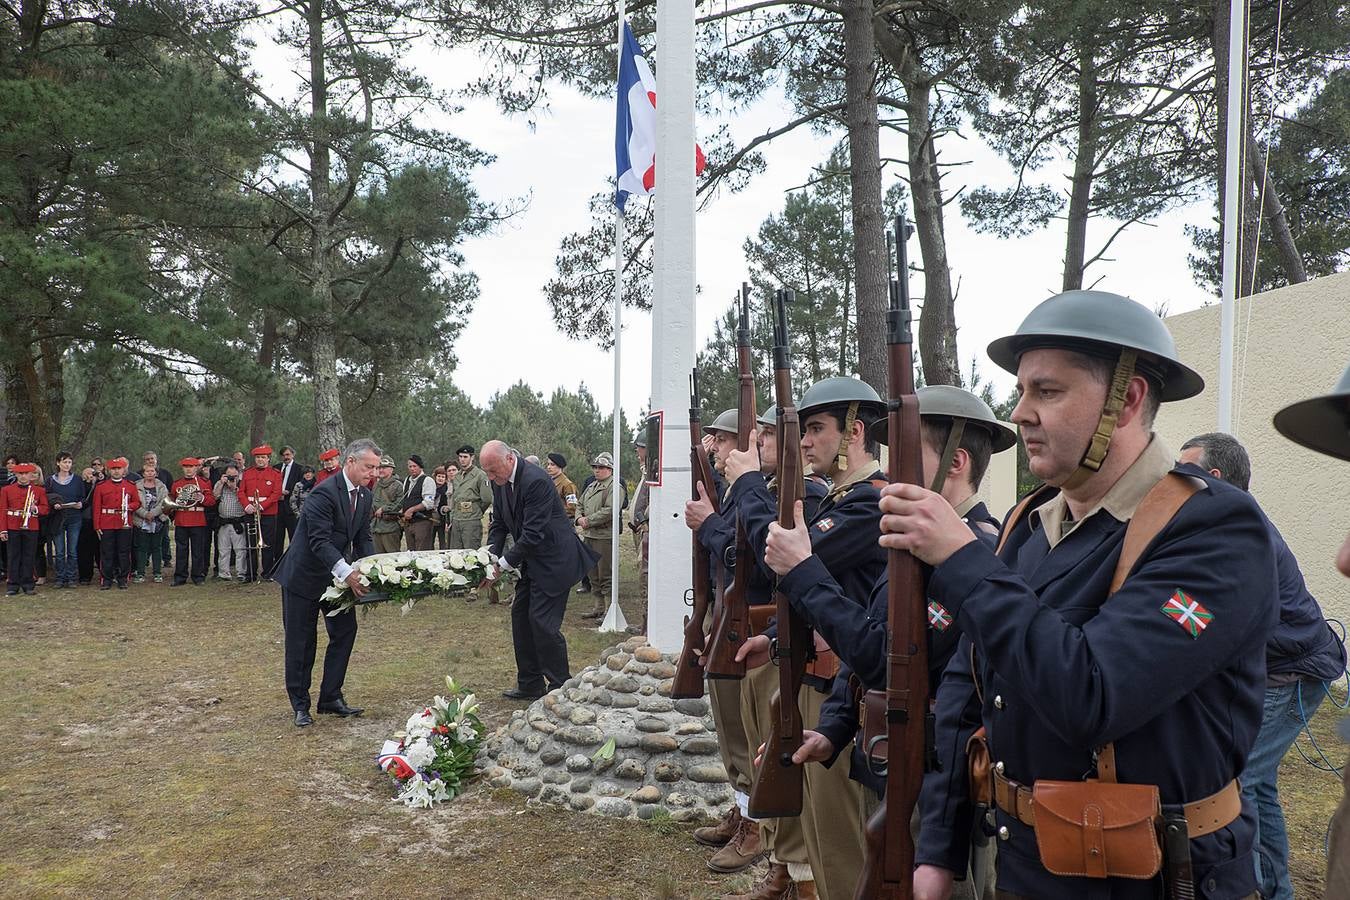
x=1179, y=382
x=1321, y=424
x=1002, y=436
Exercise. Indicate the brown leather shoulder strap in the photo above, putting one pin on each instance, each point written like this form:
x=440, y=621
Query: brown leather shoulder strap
x=1026, y=503
x=1157, y=508
x=879, y=483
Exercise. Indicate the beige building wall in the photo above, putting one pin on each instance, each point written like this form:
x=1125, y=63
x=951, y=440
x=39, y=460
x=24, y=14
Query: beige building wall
x=1292, y=343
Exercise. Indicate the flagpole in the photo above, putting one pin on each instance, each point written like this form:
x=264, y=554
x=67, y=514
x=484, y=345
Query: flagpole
x=614, y=618
x=1235, y=145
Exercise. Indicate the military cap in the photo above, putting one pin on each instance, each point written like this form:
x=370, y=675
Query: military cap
x=22, y=469
x=189, y=461
x=261, y=450
x=602, y=461
x=728, y=421
x=386, y=462
x=1101, y=323
x=330, y=453
x=119, y=462
x=946, y=401
x=467, y=448
x=558, y=460
x=1320, y=423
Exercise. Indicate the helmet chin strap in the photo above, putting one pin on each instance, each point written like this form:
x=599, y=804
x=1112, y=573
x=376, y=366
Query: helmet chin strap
x=1100, y=444
x=841, y=457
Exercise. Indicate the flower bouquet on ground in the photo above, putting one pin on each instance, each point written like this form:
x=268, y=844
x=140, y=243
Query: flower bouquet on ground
x=433, y=756
x=409, y=575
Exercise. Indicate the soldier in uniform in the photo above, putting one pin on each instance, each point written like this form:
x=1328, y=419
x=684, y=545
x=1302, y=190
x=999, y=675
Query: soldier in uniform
x=115, y=500
x=737, y=835
x=860, y=632
x=22, y=504
x=189, y=523
x=1153, y=690
x=260, y=491
x=328, y=465
x=835, y=414
x=1319, y=423
x=554, y=465
x=388, y=505
x=595, y=519
x=638, y=519
x=470, y=497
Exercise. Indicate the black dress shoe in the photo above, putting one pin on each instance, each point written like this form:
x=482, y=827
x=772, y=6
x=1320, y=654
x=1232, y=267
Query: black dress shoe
x=303, y=718
x=518, y=694
x=340, y=708
x=105, y=586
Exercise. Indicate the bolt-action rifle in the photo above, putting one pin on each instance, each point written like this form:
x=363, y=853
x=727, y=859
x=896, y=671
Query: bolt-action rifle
x=888, y=871
x=688, y=683
x=731, y=617
x=777, y=789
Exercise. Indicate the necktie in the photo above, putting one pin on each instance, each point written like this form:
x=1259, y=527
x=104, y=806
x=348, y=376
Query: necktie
x=355, y=491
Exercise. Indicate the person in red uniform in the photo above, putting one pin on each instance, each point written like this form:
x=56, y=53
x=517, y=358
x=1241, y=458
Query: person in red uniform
x=189, y=523
x=115, y=499
x=22, y=503
x=328, y=465
x=260, y=490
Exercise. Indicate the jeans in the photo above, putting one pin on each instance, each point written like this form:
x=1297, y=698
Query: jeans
x=1281, y=722
x=66, y=538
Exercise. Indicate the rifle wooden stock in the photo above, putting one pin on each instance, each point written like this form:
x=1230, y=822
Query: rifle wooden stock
x=731, y=618
x=688, y=681
x=777, y=789
x=888, y=871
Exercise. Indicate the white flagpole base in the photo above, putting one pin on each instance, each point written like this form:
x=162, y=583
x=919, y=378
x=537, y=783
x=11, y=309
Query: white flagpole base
x=614, y=620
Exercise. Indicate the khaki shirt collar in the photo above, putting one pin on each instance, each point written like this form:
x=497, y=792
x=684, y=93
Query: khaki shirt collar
x=1120, y=502
x=861, y=473
x=966, y=505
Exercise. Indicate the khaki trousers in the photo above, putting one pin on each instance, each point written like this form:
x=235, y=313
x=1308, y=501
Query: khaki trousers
x=387, y=541
x=1338, y=851
x=466, y=534
x=420, y=534
x=830, y=821
x=724, y=696
x=601, y=573
x=784, y=837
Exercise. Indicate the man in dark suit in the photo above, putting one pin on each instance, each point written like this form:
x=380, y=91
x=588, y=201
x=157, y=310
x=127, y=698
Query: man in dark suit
x=291, y=472
x=333, y=531
x=550, y=558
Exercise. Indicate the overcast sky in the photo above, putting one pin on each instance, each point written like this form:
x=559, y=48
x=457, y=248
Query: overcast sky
x=568, y=156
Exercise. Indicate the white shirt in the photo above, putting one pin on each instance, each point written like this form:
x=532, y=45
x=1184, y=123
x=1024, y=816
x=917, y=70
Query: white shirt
x=428, y=489
x=342, y=568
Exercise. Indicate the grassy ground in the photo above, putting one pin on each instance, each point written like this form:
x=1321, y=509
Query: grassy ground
x=149, y=752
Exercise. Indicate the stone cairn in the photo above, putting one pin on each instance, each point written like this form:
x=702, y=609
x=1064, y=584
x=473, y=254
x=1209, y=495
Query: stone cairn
x=664, y=759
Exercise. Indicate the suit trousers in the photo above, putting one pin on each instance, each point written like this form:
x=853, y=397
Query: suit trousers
x=782, y=837
x=115, y=555
x=724, y=696
x=21, y=548
x=536, y=632
x=189, y=540
x=830, y=820
x=387, y=541
x=466, y=534
x=420, y=533
x=298, y=620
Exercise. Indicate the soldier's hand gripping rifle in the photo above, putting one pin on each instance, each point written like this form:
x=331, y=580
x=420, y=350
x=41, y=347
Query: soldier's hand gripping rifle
x=731, y=618
x=688, y=683
x=888, y=871
x=777, y=790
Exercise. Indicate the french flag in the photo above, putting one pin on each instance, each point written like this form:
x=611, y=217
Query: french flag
x=635, y=131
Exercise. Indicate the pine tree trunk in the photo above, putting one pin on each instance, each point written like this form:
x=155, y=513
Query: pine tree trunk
x=20, y=435
x=1084, y=168
x=1291, y=261
x=264, y=395
x=327, y=399
x=869, y=229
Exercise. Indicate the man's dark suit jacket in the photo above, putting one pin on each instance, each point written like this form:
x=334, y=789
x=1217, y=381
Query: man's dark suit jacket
x=297, y=472
x=326, y=533
x=545, y=543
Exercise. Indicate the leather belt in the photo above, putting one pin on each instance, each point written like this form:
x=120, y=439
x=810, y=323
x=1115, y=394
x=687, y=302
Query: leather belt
x=111, y=512
x=1202, y=817
x=761, y=615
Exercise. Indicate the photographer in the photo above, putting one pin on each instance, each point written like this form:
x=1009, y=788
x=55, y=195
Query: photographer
x=230, y=527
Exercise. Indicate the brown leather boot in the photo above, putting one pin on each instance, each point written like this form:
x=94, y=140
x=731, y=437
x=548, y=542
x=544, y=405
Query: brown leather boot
x=717, y=835
x=774, y=884
x=805, y=890
x=741, y=852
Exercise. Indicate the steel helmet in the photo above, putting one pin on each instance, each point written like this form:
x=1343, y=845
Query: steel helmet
x=640, y=438
x=954, y=403
x=727, y=421
x=840, y=391
x=1320, y=423
x=1100, y=323
x=770, y=418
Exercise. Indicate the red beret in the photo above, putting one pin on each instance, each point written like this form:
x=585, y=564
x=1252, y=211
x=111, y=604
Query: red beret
x=118, y=463
x=262, y=450
x=189, y=461
x=330, y=453
x=23, y=469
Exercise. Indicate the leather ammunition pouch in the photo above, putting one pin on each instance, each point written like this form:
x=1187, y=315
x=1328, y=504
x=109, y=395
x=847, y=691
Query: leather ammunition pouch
x=821, y=669
x=872, y=715
x=1098, y=829
x=980, y=770
x=760, y=616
